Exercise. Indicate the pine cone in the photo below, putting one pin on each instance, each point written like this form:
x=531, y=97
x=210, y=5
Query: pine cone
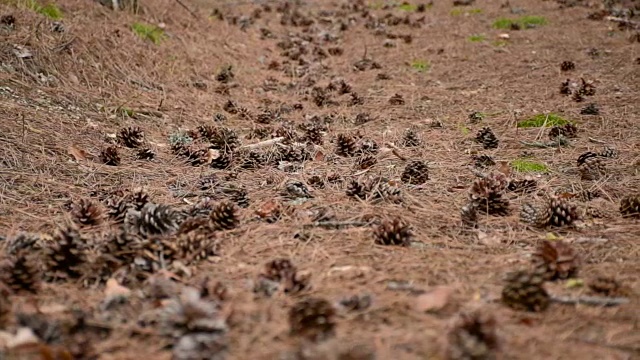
x=608, y=286
x=281, y=272
x=535, y=215
x=196, y=245
x=525, y=185
x=396, y=99
x=346, y=145
x=152, y=219
x=293, y=154
x=253, y=160
x=221, y=161
x=592, y=169
x=122, y=245
x=487, y=138
x=565, y=87
x=590, y=109
x=224, y=216
x=567, y=66
x=20, y=273
x=313, y=318
x=86, y=212
x=379, y=189
x=556, y=260
x=117, y=209
x=368, y=146
x=224, y=139
x=131, y=137
x=225, y=75
x=608, y=152
x=366, y=161
x=554, y=212
x=472, y=335
x=416, y=172
x=630, y=205
x=237, y=195
x=64, y=254
x=483, y=161
x=23, y=241
x=487, y=194
x=109, y=156
x=316, y=182
x=469, y=216
x=586, y=88
x=296, y=190
x=230, y=107
x=313, y=135
x=411, y=138
x=357, y=189
x=145, y=154
x=567, y=130
x=138, y=198
x=524, y=291
x=393, y=232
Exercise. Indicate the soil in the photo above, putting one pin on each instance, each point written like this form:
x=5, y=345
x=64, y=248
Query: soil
x=66, y=93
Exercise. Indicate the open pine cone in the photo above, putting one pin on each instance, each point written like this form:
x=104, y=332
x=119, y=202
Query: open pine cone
x=393, y=232
x=524, y=291
x=312, y=318
x=472, y=335
x=486, y=194
x=556, y=260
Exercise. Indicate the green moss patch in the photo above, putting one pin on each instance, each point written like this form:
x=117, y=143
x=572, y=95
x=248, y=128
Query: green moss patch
x=50, y=10
x=407, y=7
x=522, y=22
x=477, y=38
x=421, y=65
x=529, y=166
x=540, y=120
x=148, y=32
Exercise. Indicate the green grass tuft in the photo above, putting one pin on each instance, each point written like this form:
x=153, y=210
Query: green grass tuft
x=500, y=43
x=543, y=119
x=524, y=22
x=50, y=10
x=477, y=38
x=407, y=7
x=421, y=65
x=149, y=32
x=529, y=166
x=456, y=11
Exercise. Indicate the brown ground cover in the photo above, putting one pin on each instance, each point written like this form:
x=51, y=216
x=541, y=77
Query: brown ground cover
x=276, y=203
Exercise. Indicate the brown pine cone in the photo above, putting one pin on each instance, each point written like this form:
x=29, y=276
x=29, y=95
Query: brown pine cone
x=312, y=318
x=524, y=291
x=393, y=232
x=556, y=260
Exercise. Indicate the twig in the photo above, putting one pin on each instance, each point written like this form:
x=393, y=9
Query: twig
x=187, y=8
x=629, y=23
x=560, y=141
x=597, y=141
x=336, y=224
x=263, y=143
x=590, y=300
x=395, y=151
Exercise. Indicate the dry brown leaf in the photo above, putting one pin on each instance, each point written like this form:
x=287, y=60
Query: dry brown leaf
x=319, y=156
x=435, y=299
x=77, y=153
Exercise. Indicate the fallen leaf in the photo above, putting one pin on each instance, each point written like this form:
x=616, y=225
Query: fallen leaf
x=78, y=154
x=319, y=156
x=435, y=299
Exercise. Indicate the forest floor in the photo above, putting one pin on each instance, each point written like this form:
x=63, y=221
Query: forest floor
x=350, y=94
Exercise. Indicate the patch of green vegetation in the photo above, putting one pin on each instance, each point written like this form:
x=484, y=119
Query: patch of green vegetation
x=522, y=22
x=457, y=11
x=465, y=130
x=477, y=38
x=407, y=7
x=421, y=65
x=149, y=32
x=124, y=111
x=545, y=120
x=529, y=166
x=179, y=138
x=500, y=43
x=50, y=10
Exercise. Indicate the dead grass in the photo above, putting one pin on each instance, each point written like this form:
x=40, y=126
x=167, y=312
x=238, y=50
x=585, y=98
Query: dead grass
x=69, y=92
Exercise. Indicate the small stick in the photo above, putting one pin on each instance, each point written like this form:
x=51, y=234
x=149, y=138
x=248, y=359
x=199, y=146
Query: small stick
x=263, y=143
x=396, y=151
x=633, y=24
x=596, y=141
x=330, y=224
x=187, y=8
x=590, y=300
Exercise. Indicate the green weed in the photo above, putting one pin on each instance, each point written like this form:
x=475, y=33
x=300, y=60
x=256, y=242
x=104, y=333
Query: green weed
x=421, y=65
x=149, y=32
x=456, y=11
x=543, y=119
x=477, y=38
x=50, y=10
x=529, y=166
x=522, y=22
x=407, y=7
x=500, y=43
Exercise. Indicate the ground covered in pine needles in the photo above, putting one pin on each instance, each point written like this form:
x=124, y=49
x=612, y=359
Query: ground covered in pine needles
x=320, y=180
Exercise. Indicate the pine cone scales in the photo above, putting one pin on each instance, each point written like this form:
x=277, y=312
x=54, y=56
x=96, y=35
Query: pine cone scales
x=152, y=219
x=487, y=138
x=110, y=156
x=630, y=205
x=556, y=260
x=196, y=245
x=20, y=273
x=85, y=212
x=416, y=172
x=64, y=254
x=131, y=137
x=411, y=139
x=592, y=168
x=224, y=216
x=393, y=232
x=117, y=209
x=346, y=145
x=472, y=336
x=313, y=319
x=486, y=194
x=524, y=291
x=555, y=212
x=357, y=189
x=282, y=271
